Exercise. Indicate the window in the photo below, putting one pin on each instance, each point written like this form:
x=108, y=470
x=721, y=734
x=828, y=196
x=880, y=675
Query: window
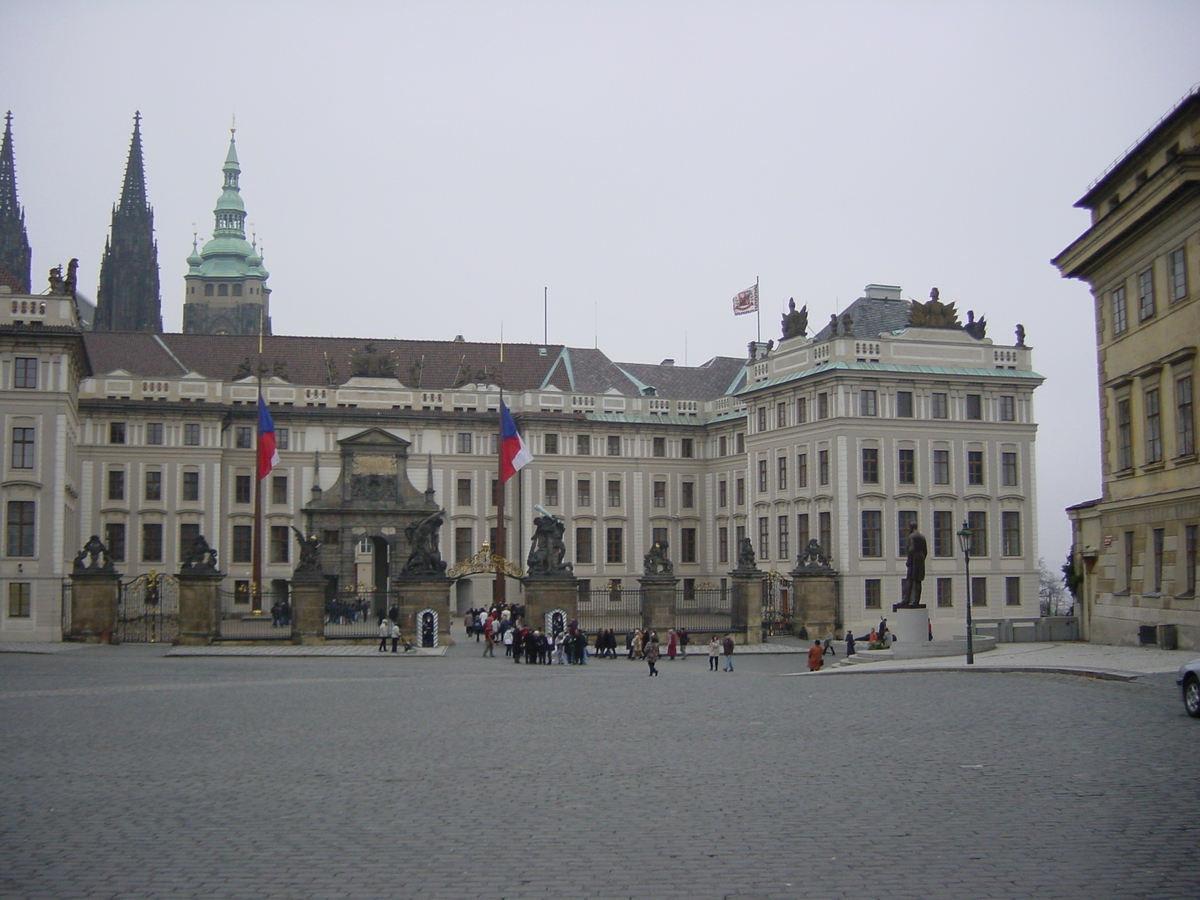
x=801, y=410
x=583, y=445
x=463, y=443
x=870, y=465
x=243, y=437
x=904, y=518
x=977, y=523
x=722, y=446
x=687, y=495
x=802, y=470
x=191, y=434
x=154, y=432
x=687, y=545
x=1008, y=469
x=279, y=490
x=22, y=448
x=822, y=406
x=1157, y=537
x=904, y=404
x=943, y=533
x=208, y=290
x=114, y=538
x=802, y=535
x=551, y=492
x=1008, y=408
x=823, y=466
x=687, y=447
x=153, y=485
x=1185, y=422
x=1010, y=533
x=1190, y=551
x=825, y=523
x=940, y=406
x=872, y=532
x=723, y=544
x=462, y=494
x=658, y=536
x=974, y=467
x=740, y=491
x=660, y=494
x=1153, y=427
x=979, y=592
x=782, y=534
x=1124, y=436
x=1012, y=591
x=281, y=543
x=550, y=444
x=941, y=466
x=974, y=406
x=191, y=486
x=222, y=290
x=614, y=549
x=283, y=438
x=188, y=533
x=331, y=537
x=20, y=595
x=1177, y=275
x=782, y=472
x=873, y=593
x=20, y=528
x=614, y=445
x=1145, y=295
x=583, y=492
x=152, y=542
x=241, y=488
x=497, y=487
x=762, y=418
x=614, y=493
x=868, y=403
x=722, y=494
x=584, y=552
x=25, y=372
x=764, y=538
x=781, y=415
x=762, y=475
x=1119, y=314
x=906, y=470
x=463, y=544
x=116, y=432
x=243, y=539
x=740, y=442
x=945, y=592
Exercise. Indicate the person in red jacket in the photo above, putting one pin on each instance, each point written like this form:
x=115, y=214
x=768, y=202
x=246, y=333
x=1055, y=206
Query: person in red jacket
x=816, y=656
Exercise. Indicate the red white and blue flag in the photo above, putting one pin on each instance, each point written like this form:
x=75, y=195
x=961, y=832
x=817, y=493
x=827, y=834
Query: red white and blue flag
x=268, y=455
x=514, y=455
x=746, y=301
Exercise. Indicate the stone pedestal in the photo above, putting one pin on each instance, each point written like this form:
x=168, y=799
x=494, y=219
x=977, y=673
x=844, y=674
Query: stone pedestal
x=94, y=599
x=545, y=594
x=199, y=608
x=658, y=604
x=308, y=608
x=910, y=624
x=424, y=610
x=815, y=601
x=746, y=614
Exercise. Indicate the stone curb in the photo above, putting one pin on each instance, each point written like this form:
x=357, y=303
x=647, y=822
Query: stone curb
x=1102, y=674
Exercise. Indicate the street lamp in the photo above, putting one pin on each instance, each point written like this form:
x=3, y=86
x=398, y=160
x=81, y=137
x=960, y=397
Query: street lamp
x=965, y=537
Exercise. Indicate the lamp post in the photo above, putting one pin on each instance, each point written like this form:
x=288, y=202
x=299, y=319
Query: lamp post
x=965, y=537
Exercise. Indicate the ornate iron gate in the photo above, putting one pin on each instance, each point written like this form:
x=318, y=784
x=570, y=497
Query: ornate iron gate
x=148, y=609
x=777, y=604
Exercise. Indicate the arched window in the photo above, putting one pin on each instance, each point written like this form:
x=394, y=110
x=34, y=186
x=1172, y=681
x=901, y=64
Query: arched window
x=208, y=290
x=237, y=290
x=223, y=291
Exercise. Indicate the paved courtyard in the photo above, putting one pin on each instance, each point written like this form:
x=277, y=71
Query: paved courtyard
x=129, y=774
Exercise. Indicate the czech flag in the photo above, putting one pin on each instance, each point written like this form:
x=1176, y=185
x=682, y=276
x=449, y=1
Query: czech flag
x=268, y=456
x=514, y=455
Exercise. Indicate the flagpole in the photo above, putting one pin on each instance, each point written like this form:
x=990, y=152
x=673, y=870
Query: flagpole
x=256, y=551
x=757, y=309
x=499, y=587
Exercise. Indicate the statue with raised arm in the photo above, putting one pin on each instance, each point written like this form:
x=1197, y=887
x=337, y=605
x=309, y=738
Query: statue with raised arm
x=547, y=548
x=655, y=562
x=200, y=557
x=425, y=557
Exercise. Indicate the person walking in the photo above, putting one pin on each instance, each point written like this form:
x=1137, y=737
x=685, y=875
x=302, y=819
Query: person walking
x=395, y=637
x=849, y=642
x=650, y=652
x=489, y=643
x=816, y=657
x=829, y=643
x=714, y=653
x=727, y=648
x=684, y=640
x=672, y=644
x=385, y=632
x=639, y=641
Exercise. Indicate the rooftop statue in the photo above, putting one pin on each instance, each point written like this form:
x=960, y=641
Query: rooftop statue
x=933, y=313
x=977, y=330
x=795, y=324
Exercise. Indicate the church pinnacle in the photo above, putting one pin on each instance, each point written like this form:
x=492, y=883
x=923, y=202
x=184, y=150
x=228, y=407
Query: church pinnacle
x=128, y=296
x=14, y=242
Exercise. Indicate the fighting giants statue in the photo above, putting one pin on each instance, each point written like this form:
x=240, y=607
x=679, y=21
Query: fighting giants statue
x=199, y=557
x=656, y=563
x=310, y=556
x=96, y=554
x=547, y=549
x=813, y=558
x=746, y=560
x=425, y=557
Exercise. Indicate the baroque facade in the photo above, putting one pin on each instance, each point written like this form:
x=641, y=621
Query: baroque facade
x=1135, y=547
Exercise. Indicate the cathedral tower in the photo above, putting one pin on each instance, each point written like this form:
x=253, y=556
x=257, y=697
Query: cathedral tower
x=14, y=243
x=226, y=285
x=128, y=296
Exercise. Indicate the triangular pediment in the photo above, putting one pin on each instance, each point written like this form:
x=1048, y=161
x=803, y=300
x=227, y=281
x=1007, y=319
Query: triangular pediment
x=374, y=437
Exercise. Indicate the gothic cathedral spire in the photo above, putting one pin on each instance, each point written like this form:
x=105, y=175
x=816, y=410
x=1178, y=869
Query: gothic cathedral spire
x=128, y=297
x=14, y=243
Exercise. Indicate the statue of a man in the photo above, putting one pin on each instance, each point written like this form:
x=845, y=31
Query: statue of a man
x=918, y=549
x=795, y=324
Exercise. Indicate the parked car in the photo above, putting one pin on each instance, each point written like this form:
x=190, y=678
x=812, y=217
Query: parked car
x=1189, y=686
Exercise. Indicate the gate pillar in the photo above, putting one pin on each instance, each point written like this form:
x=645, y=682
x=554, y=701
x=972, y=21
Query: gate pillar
x=658, y=603
x=94, y=599
x=747, y=609
x=815, y=593
x=308, y=607
x=544, y=593
x=413, y=595
x=199, y=608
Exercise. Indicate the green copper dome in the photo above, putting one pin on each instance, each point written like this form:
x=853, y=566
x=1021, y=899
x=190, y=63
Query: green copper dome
x=228, y=254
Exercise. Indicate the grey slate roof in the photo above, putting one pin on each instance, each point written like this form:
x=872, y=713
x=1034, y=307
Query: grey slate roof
x=872, y=318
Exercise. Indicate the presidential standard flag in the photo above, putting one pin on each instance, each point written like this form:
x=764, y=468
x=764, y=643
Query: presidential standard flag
x=514, y=455
x=746, y=301
x=268, y=455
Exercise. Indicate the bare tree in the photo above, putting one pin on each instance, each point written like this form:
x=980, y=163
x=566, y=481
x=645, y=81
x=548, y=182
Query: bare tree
x=1051, y=591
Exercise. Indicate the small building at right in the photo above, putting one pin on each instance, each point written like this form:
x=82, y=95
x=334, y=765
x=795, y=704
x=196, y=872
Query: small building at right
x=1134, y=548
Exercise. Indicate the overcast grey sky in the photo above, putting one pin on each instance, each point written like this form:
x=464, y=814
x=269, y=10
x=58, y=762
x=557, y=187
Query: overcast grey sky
x=422, y=169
